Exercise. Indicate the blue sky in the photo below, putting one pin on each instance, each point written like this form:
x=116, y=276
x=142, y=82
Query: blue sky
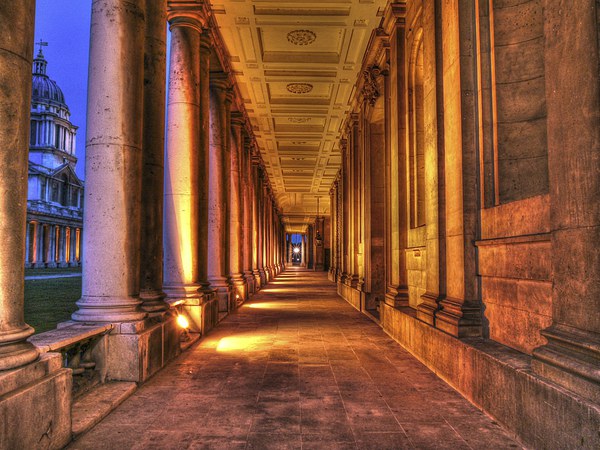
x=65, y=25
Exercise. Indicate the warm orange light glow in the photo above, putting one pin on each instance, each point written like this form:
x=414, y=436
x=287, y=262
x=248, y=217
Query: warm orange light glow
x=272, y=305
x=296, y=250
x=183, y=322
x=242, y=343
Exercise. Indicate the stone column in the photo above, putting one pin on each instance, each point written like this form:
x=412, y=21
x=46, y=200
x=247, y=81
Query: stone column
x=248, y=231
x=217, y=198
x=460, y=310
x=151, y=255
x=396, y=223
x=111, y=257
x=255, y=224
x=345, y=211
x=235, y=211
x=16, y=57
x=182, y=178
x=572, y=356
x=203, y=165
x=261, y=227
x=332, y=209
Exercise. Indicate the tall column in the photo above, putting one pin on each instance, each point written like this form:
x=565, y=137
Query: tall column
x=396, y=218
x=255, y=224
x=261, y=228
x=572, y=356
x=203, y=166
x=16, y=47
x=459, y=311
x=332, y=209
x=111, y=258
x=217, y=198
x=433, y=47
x=182, y=177
x=151, y=273
x=345, y=211
x=235, y=211
x=247, y=199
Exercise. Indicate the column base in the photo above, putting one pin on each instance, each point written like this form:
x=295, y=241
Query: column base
x=396, y=296
x=263, y=276
x=35, y=400
x=571, y=358
x=257, y=280
x=458, y=319
x=203, y=312
x=51, y=265
x=108, y=309
x=40, y=265
x=249, y=277
x=15, y=351
x=137, y=350
x=332, y=275
x=351, y=280
x=223, y=292
x=426, y=310
x=153, y=301
x=239, y=290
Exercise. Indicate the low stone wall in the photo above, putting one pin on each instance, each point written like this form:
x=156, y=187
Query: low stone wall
x=499, y=380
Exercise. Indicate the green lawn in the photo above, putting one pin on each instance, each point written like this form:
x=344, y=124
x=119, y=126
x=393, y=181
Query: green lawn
x=29, y=272
x=48, y=302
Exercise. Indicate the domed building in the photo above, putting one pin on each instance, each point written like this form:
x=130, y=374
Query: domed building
x=55, y=193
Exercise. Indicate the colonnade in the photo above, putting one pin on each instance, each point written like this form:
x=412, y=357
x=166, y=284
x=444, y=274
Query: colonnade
x=208, y=193
x=52, y=245
x=466, y=202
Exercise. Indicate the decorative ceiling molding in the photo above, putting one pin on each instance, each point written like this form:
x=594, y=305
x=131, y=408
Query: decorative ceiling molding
x=299, y=88
x=298, y=66
x=301, y=37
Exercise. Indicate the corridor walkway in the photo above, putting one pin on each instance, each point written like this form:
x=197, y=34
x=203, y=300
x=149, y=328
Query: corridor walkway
x=296, y=367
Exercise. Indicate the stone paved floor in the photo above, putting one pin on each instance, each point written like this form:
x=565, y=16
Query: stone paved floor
x=296, y=367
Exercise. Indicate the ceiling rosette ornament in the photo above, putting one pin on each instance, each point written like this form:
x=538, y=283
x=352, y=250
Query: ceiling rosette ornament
x=301, y=37
x=299, y=88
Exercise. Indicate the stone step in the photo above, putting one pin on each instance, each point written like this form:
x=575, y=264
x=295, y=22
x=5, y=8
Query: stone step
x=95, y=405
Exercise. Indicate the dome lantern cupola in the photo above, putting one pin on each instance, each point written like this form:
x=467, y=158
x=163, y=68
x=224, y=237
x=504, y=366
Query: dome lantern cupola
x=44, y=89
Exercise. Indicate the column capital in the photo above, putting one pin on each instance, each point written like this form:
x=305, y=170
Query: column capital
x=237, y=119
x=206, y=41
x=187, y=13
x=343, y=145
x=221, y=82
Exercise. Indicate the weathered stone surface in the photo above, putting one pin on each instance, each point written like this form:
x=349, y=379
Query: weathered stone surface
x=94, y=406
x=500, y=382
x=35, y=405
x=296, y=367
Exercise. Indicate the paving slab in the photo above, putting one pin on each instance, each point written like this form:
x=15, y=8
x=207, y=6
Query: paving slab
x=296, y=367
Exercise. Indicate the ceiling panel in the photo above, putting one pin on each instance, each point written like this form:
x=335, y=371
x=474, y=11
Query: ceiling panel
x=296, y=63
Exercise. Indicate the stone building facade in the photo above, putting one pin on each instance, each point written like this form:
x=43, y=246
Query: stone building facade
x=463, y=214
x=55, y=192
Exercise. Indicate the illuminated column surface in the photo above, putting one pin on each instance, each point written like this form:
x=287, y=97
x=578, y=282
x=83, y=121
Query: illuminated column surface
x=151, y=273
x=181, y=163
x=247, y=199
x=255, y=225
x=16, y=47
x=111, y=257
x=235, y=210
x=217, y=200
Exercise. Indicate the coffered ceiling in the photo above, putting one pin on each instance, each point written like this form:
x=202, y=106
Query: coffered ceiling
x=296, y=63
